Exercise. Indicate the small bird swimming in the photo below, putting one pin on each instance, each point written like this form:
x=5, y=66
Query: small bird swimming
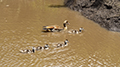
x=76, y=31
x=63, y=44
x=46, y=46
x=66, y=42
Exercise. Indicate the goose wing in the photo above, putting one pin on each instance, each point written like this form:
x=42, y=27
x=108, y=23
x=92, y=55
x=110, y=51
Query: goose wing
x=52, y=27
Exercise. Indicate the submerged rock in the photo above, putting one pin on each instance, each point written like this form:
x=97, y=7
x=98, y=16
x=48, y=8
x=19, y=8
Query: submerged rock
x=104, y=12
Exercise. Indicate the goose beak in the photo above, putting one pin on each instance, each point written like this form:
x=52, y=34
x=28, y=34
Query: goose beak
x=68, y=23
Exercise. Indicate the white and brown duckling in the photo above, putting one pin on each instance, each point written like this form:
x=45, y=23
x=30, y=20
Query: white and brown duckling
x=46, y=46
x=25, y=51
x=39, y=48
x=76, y=31
x=53, y=28
x=63, y=44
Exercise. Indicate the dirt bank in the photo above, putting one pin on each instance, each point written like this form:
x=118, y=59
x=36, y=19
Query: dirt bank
x=104, y=12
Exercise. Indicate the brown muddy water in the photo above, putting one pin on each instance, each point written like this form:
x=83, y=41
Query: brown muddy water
x=21, y=22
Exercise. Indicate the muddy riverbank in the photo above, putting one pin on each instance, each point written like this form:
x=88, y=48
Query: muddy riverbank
x=103, y=12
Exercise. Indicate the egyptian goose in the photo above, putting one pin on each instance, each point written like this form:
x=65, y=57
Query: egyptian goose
x=53, y=28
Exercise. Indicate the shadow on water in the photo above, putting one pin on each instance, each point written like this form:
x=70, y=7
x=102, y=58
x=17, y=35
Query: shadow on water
x=57, y=6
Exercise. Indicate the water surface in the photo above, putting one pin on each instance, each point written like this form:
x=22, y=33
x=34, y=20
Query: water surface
x=21, y=23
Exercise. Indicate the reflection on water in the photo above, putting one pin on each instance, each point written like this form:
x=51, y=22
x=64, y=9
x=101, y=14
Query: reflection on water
x=21, y=24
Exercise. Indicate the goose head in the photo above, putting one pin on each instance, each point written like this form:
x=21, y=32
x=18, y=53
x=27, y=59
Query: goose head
x=65, y=23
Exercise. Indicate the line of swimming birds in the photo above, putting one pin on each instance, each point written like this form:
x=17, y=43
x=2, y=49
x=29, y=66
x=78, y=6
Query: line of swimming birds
x=45, y=47
x=54, y=28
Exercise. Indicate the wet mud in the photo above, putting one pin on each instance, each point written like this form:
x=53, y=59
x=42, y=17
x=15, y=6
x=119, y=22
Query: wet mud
x=103, y=12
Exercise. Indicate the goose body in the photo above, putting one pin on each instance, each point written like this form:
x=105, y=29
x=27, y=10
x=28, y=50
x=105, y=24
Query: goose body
x=53, y=28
